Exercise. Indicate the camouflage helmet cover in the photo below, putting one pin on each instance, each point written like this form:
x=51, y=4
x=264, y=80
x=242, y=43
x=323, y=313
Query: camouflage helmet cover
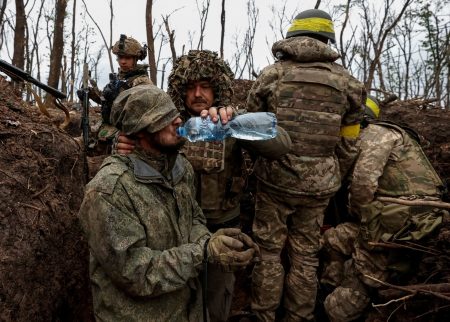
x=201, y=65
x=143, y=107
x=312, y=22
x=128, y=46
x=372, y=107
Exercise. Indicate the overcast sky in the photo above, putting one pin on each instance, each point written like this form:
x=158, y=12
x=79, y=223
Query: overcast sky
x=130, y=20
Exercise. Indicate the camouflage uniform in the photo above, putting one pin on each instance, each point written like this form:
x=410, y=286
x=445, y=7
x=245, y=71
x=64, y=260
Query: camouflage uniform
x=319, y=104
x=218, y=166
x=391, y=163
x=135, y=77
x=126, y=46
x=146, y=232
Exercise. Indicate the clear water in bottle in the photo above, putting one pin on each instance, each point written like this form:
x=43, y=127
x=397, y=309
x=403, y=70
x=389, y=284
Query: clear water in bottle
x=250, y=126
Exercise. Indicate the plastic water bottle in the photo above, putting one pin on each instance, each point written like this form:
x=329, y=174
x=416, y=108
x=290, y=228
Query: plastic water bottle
x=251, y=126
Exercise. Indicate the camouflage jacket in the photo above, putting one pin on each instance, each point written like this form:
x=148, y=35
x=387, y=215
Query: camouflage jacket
x=391, y=163
x=137, y=76
x=317, y=118
x=146, y=235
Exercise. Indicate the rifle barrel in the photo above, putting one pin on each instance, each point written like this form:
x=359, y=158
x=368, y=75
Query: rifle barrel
x=12, y=70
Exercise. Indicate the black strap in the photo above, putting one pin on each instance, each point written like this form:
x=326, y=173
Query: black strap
x=205, y=281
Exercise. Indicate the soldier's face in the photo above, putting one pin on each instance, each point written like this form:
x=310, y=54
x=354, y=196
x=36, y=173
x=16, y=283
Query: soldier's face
x=126, y=63
x=199, y=96
x=166, y=140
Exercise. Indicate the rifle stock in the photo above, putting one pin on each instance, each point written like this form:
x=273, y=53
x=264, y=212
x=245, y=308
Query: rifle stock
x=17, y=73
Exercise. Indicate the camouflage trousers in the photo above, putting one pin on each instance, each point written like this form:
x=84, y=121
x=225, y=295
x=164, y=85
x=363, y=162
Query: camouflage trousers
x=350, y=296
x=219, y=293
x=338, y=245
x=294, y=221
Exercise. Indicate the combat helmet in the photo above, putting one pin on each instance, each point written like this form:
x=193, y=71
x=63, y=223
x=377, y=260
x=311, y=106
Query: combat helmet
x=200, y=65
x=143, y=107
x=313, y=22
x=372, y=107
x=128, y=46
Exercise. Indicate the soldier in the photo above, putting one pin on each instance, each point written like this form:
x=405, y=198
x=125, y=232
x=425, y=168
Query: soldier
x=199, y=83
x=146, y=233
x=391, y=163
x=128, y=51
x=320, y=105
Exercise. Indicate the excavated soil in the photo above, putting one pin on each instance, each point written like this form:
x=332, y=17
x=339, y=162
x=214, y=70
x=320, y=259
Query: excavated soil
x=44, y=258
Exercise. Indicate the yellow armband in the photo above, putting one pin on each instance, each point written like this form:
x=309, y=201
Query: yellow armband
x=350, y=131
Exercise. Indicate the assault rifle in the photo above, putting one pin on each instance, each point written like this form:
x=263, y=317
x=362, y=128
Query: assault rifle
x=18, y=74
x=85, y=114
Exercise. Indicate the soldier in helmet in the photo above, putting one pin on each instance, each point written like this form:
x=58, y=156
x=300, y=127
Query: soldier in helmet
x=320, y=105
x=200, y=84
x=390, y=163
x=146, y=233
x=128, y=51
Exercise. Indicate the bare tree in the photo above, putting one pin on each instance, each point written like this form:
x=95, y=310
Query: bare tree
x=171, y=35
x=203, y=14
x=73, y=53
x=32, y=57
x=344, y=47
x=377, y=38
x=253, y=17
x=437, y=50
x=58, y=44
x=279, y=22
x=2, y=10
x=19, y=35
x=222, y=28
x=150, y=41
x=101, y=34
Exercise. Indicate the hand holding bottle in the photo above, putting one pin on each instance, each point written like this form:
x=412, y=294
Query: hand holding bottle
x=250, y=126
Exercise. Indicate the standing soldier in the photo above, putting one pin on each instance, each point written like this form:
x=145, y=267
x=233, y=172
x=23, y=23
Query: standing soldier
x=201, y=84
x=320, y=105
x=128, y=51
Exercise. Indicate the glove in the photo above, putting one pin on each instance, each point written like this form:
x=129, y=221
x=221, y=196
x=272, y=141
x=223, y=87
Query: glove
x=93, y=95
x=232, y=248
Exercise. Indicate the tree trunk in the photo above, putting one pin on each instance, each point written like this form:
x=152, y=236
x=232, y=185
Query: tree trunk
x=58, y=44
x=2, y=11
x=150, y=41
x=222, y=31
x=72, y=56
x=19, y=36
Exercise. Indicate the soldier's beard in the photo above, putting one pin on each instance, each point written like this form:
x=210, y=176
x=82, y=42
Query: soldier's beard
x=166, y=148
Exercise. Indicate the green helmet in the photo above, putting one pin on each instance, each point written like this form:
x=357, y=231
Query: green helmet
x=128, y=46
x=372, y=107
x=313, y=22
x=143, y=107
x=201, y=65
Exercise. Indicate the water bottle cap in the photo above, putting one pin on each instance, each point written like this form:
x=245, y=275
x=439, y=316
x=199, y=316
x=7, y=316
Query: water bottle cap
x=181, y=131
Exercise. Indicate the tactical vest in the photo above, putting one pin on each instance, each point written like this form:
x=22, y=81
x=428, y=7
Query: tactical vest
x=220, y=179
x=205, y=156
x=311, y=99
x=411, y=173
